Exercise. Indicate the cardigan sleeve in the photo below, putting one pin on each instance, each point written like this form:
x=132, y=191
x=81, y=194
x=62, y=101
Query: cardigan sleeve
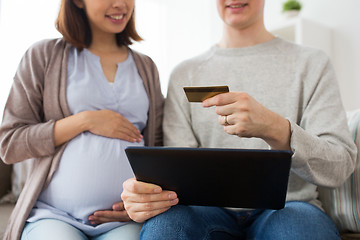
x=23, y=133
x=159, y=108
x=153, y=132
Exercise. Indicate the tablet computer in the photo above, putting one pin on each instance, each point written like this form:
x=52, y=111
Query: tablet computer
x=240, y=178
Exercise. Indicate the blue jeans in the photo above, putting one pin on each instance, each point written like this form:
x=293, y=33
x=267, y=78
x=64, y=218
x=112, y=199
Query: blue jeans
x=297, y=221
x=53, y=229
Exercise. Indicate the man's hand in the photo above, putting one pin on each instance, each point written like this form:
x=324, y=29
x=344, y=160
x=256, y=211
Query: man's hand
x=143, y=200
x=242, y=115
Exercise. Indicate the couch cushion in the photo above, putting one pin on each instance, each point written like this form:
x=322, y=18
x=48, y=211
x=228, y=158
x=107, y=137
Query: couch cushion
x=5, y=210
x=342, y=204
x=5, y=177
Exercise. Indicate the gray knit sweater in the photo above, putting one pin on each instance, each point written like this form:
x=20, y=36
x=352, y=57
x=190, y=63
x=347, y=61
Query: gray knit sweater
x=296, y=82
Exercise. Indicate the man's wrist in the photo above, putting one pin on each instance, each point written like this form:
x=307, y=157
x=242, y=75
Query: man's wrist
x=279, y=134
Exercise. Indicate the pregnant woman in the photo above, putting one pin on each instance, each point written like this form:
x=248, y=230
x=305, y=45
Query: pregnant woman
x=76, y=103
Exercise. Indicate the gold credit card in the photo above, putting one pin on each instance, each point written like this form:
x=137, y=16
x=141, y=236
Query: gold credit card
x=199, y=94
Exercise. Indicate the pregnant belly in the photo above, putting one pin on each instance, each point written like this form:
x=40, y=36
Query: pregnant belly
x=90, y=176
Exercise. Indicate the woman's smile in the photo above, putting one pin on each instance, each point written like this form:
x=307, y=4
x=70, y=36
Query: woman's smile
x=116, y=18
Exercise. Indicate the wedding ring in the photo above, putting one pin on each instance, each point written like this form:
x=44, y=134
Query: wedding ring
x=226, y=121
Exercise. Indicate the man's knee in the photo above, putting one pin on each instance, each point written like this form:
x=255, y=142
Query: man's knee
x=298, y=219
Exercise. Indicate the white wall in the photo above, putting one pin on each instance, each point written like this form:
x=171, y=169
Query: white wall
x=22, y=23
x=186, y=28
x=177, y=30
x=343, y=18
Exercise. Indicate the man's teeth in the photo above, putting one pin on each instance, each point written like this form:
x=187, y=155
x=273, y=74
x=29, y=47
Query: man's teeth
x=238, y=6
x=117, y=17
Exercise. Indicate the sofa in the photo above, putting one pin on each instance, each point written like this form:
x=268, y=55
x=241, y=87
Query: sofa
x=5, y=187
x=341, y=204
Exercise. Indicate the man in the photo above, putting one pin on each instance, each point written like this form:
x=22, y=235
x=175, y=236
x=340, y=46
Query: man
x=283, y=96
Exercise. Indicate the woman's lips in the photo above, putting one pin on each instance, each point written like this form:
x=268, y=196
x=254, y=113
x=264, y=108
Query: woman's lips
x=116, y=18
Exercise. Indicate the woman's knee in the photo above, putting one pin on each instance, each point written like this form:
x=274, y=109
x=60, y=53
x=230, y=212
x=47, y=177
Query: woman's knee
x=58, y=230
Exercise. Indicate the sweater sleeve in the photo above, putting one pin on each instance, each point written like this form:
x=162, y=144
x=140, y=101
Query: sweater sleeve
x=324, y=153
x=23, y=133
x=178, y=130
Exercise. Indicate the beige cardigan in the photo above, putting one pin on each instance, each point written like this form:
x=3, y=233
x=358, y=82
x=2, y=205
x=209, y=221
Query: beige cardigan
x=37, y=99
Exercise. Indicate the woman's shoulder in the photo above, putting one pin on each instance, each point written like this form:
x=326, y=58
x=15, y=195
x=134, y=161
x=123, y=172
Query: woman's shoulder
x=142, y=58
x=48, y=45
x=41, y=54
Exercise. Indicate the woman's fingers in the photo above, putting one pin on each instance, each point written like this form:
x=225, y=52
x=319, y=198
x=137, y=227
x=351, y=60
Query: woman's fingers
x=129, y=134
x=111, y=124
x=109, y=216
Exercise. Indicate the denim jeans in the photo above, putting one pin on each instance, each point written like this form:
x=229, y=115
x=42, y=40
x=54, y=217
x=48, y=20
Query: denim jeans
x=296, y=221
x=53, y=229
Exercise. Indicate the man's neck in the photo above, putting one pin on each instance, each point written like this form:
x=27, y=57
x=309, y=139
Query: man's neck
x=246, y=37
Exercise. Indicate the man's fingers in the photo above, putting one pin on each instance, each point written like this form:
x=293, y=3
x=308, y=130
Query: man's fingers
x=220, y=100
x=143, y=216
x=145, y=200
x=137, y=187
x=150, y=206
x=149, y=198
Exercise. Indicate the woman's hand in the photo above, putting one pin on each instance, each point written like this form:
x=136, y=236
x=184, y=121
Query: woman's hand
x=102, y=122
x=111, y=124
x=143, y=200
x=117, y=214
x=242, y=115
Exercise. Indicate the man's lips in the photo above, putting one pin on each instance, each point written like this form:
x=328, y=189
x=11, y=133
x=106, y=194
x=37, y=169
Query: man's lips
x=239, y=5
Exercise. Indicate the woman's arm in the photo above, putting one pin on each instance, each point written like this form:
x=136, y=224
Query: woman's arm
x=33, y=124
x=25, y=132
x=102, y=122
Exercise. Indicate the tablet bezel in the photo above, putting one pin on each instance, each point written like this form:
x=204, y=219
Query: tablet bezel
x=240, y=178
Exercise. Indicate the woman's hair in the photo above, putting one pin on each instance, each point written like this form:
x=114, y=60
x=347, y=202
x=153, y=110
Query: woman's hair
x=73, y=24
